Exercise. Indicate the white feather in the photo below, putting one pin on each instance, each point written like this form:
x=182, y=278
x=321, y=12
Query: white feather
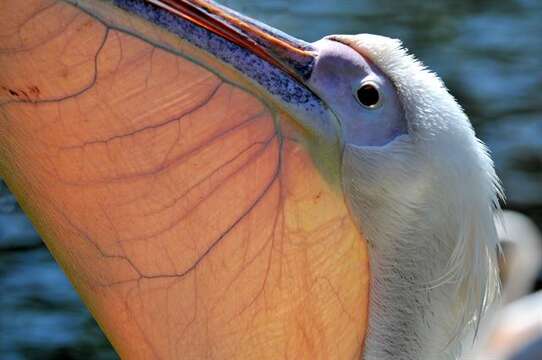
x=425, y=203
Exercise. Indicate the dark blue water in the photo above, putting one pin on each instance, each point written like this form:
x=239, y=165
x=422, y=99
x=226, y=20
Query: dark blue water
x=489, y=54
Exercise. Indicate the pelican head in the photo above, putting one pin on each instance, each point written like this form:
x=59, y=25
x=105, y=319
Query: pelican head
x=422, y=189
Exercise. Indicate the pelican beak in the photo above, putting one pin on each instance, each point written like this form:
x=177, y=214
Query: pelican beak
x=291, y=55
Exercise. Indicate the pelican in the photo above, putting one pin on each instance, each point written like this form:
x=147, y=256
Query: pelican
x=215, y=188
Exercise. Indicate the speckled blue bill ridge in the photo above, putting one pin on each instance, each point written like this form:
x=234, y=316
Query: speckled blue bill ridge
x=276, y=81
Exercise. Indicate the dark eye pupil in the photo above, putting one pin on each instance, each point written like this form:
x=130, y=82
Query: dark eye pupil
x=368, y=95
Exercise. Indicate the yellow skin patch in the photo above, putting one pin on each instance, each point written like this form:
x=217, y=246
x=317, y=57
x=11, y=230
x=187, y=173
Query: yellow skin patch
x=183, y=205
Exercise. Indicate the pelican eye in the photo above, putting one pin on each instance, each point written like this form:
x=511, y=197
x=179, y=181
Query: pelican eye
x=369, y=96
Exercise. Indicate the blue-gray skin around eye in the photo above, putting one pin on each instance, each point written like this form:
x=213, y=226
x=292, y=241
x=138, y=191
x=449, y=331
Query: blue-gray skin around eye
x=337, y=74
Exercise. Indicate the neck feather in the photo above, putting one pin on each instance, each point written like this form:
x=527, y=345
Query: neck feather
x=430, y=245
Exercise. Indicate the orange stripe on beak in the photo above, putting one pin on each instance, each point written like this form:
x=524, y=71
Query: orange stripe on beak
x=267, y=44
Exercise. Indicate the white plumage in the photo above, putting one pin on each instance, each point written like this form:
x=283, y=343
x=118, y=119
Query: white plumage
x=425, y=203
